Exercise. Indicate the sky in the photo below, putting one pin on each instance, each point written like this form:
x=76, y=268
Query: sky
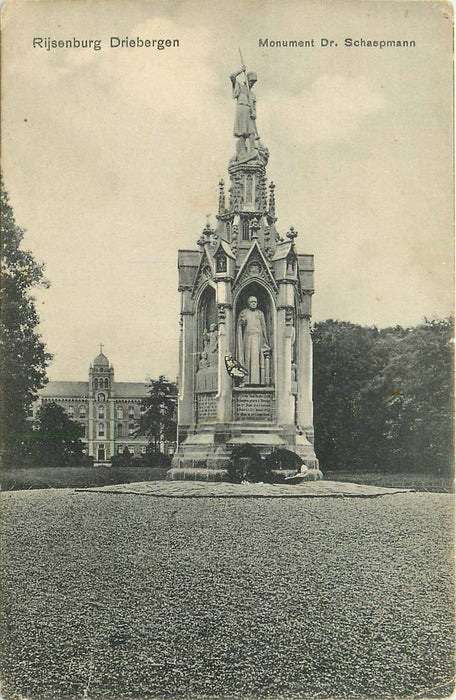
x=112, y=159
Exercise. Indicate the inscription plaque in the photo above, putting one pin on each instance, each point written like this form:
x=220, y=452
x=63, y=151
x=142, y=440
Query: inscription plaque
x=254, y=405
x=206, y=408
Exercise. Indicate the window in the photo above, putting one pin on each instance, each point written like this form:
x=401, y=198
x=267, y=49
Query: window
x=101, y=430
x=120, y=430
x=95, y=383
x=131, y=449
x=131, y=411
x=131, y=428
x=245, y=230
x=120, y=449
x=120, y=412
x=70, y=411
x=142, y=408
x=106, y=383
x=143, y=449
x=101, y=412
x=220, y=263
x=82, y=411
x=101, y=397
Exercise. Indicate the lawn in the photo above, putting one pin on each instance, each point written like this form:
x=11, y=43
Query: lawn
x=123, y=596
x=76, y=477
x=418, y=481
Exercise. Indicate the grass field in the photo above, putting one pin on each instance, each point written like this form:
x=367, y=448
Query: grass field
x=83, y=477
x=77, y=477
x=405, y=480
x=120, y=596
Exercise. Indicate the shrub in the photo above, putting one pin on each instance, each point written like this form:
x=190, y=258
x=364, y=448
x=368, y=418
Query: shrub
x=283, y=460
x=150, y=459
x=246, y=465
x=155, y=459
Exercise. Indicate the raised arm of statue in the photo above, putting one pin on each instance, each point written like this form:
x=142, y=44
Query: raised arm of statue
x=233, y=76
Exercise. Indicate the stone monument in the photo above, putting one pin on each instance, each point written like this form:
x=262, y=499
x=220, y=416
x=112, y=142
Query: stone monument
x=245, y=302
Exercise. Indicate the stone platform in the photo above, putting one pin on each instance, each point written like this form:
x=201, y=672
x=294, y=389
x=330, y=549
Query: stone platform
x=206, y=452
x=198, y=489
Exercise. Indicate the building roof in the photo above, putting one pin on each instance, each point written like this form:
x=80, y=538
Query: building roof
x=282, y=250
x=101, y=360
x=225, y=246
x=62, y=389
x=130, y=389
x=188, y=262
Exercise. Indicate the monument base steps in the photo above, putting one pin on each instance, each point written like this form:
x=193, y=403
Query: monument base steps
x=205, y=453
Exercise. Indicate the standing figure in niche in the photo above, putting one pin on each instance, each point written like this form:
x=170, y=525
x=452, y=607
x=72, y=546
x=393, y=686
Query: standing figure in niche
x=252, y=341
x=204, y=361
x=211, y=344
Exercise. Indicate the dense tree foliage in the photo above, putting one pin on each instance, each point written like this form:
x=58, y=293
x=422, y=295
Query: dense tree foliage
x=23, y=354
x=158, y=422
x=55, y=440
x=383, y=398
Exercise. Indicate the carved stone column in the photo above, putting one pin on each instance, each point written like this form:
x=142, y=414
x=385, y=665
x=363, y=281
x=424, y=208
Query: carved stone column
x=225, y=334
x=304, y=362
x=186, y=366
x=285, y=312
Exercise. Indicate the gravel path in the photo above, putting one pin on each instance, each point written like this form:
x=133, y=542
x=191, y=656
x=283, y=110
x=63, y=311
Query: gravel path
x=121, y=597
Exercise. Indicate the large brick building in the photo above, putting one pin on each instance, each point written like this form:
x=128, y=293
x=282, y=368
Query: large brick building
x=107, y=410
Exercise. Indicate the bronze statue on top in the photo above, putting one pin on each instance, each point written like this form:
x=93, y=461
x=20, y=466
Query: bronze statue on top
x=248, y=145
x=244, y=123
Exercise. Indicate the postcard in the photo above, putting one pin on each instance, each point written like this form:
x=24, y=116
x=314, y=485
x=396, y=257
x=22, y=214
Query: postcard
x=252, y=203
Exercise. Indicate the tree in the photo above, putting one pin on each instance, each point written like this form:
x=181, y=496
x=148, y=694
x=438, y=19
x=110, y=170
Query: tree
x=158, y=422
x=418, y=394
x=56, y=439
x=345, y=363
x=23, y=354
x=383, y=399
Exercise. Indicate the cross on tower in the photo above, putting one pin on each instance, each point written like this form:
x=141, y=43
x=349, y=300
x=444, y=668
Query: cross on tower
x=101, y=348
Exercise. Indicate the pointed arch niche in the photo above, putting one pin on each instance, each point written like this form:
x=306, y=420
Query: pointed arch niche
x=207, y=341
x=266, y=304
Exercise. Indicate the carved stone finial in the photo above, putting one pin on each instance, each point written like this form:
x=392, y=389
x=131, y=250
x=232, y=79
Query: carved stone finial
x=221, y=197
x=272, y=210
x=292, y=233
x=234, y=238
